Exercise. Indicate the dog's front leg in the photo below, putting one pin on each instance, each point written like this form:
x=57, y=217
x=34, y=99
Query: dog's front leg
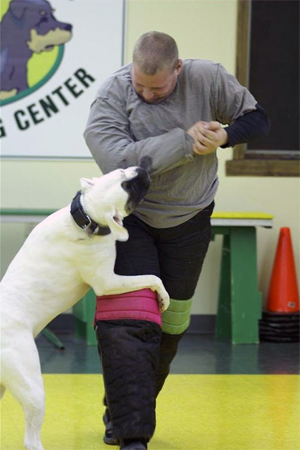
x=119, y=284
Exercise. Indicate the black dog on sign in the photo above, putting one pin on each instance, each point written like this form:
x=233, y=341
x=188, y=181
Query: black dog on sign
x=27, y=27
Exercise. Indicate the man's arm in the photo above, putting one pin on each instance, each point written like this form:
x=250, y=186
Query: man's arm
x=109, y=139
x=252, y=125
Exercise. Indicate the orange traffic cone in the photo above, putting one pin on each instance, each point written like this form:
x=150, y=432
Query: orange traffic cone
x=283, y=292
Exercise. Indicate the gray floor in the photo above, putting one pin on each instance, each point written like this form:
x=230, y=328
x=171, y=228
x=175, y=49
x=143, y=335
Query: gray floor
x=197, y=354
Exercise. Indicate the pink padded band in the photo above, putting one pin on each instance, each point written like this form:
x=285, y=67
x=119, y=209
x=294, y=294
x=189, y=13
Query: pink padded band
x=138, y=305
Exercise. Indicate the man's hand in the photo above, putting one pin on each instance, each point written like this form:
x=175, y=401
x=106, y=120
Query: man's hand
x=208, y=136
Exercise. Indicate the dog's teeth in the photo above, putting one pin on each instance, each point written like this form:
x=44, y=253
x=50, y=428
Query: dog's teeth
x=118, y=220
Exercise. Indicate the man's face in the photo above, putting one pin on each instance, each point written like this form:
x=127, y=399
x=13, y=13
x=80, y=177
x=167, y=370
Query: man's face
x=154, y=88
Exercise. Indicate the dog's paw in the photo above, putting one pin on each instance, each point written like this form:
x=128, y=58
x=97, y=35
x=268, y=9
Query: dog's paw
x=163, y=297
x=163, y=301
x=30, y=445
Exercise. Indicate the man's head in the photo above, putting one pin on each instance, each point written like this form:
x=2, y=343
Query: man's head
x=155, y=66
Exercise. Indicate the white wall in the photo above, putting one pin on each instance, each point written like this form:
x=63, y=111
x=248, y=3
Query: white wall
x=207, y=29
x=203, y=29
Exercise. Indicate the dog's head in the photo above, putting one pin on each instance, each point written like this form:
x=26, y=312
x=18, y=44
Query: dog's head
x=36, y=18
x=110, y=198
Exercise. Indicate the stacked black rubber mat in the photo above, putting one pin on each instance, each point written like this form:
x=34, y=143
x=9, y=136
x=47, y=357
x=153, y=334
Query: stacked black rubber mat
x=279, y=327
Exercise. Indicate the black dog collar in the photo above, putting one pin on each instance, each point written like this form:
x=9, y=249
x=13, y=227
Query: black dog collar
x=84, y=221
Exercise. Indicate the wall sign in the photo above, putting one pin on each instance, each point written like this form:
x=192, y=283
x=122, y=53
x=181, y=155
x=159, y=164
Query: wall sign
x=54, y=56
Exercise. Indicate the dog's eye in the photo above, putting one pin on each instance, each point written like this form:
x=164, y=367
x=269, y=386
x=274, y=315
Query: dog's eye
x=42, y=13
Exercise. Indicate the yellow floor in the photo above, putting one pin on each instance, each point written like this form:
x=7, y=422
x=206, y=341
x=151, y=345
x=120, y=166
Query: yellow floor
x=194, y=412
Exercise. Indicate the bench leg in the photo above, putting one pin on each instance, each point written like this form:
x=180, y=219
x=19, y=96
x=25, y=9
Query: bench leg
x=84, y=312
x=52, y=338
x=223, y=319
x=239, y=299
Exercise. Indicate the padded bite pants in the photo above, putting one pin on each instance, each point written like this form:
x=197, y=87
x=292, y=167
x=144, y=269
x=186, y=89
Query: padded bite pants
x=136, y=354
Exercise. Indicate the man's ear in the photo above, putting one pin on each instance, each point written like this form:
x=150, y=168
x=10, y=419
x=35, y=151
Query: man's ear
x=178, y=67
x=116, y=227
x=86, y=184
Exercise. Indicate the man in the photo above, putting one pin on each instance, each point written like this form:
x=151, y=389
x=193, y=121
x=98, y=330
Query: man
x=172, y=111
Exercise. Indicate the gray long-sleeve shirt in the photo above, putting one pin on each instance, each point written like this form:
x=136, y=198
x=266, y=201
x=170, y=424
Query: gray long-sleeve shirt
x=122, y=128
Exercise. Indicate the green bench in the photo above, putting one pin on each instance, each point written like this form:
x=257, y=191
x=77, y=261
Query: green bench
x=239, y=302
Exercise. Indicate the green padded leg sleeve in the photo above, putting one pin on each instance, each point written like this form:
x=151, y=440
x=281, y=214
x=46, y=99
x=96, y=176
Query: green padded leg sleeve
x=177, y=317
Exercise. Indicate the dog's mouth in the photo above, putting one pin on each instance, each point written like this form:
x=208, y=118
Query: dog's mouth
x=118, y=219
x=49, y=47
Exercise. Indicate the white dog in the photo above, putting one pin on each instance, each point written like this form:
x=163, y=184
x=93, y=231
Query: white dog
x=62, y=258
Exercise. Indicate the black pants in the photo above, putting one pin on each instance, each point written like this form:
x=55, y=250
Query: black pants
x=135, y=354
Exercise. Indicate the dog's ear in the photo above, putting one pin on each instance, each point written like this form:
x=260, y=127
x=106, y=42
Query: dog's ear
x=17, y=9
x=146, y=163
x=86, y=184
x=116, y=227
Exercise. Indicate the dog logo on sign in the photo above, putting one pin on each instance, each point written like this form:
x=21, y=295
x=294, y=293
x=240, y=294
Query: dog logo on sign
x=32, y=46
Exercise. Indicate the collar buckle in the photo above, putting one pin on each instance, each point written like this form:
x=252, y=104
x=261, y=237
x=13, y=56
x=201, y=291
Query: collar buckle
x=87, y=226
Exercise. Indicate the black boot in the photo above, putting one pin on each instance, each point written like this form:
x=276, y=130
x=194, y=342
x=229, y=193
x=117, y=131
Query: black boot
x=108, y=437
x=129, y=444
